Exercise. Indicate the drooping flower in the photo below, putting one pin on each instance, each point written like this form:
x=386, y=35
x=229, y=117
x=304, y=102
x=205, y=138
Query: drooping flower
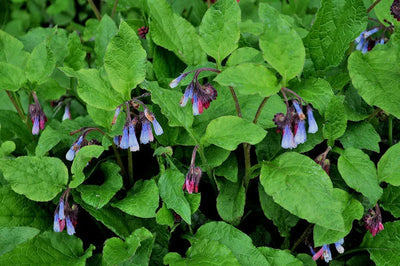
x=70, y=226
x=312, y=124
x=193, y=175
x=142, y=31
x=67, y=113
x=176, y=81
x=150, y=116
x=117, y=111
x=64, y=215
x=373, y=220
x=124, y=144
x=288, y=141
x=325, y=252
x=74, y=149
x=146, y=135
x=37, y=116
x=133, y=143
x=362, y=40
x=339, y=247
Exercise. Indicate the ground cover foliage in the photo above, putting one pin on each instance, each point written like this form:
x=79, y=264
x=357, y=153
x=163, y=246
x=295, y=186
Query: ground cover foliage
x=179, y=132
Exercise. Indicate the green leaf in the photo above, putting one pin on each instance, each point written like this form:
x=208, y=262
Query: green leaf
x=94, y=89
x=165, y=217
x=245, y=55
x=229, y=169
x=12, y=50
x=103, y=34
x=10, y=237
x=17, y=210
x=219, y=29
x=228, y=132
x=336, y=120
x=169, y=100
x=279, y=257
x=249, y=78
x=374, y=75
x=38, y=178
x=293, y=176
x=203, y=252
x=356, y=108
x=98, y=196
x=230, y=201
x=337, y=24
x=100, y=117
x=194, y=201
x=82, y=158
x=125, y=61
x=47, y=140
x=11, y=77
x=116, y=251
x=48, y=248
x=384, y=247
x=76, y=55
x=359, y=173
x=6, y=148
x=282, y=47
x=390, y=200
x=281, y=218
x=171, y=192
x=238, y=242
x=215, y=156
x=383, y=12
x=316, y=91
x=141, y=201
x=174, y=33
x=361, y=136
x=351, y=210
x=41, y=64
x=388, y=166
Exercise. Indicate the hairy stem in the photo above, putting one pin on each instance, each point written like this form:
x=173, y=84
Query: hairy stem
x=95, y=10
x=235, y=99
x=114, y=8
x=17, y=107
x=302, y=237
x=373, y=5
x=259, y=110
x=119, y=161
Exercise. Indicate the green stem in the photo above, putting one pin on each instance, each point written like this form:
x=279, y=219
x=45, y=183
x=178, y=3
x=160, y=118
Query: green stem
x=16, y=105
x=130, y=168
x=95, y=10
x=259, y=110
x=119, y=161
x=302, y=237
x=235, y=99
x=114, y=8
x=390, y=130
x=373, y=5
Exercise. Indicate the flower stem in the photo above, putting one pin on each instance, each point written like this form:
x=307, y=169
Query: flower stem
x=390, y=130
x=302, y=237
x=130, y=168
x=373, y=5
x=259, y=110
x=17, y=107
x=119, y=161
x=95, y=10
x=235, y=99
x=114, y=8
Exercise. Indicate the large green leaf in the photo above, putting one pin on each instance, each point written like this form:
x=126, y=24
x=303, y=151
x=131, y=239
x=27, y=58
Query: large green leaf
x=219, y=29
x=17, y=210
x=12, y=50
x=116, y=251
x=388, y=166
x=281, y=218
x=230, y=201
x=82, y=158
x=94, y=89
x=279, y=257
x=38, y=178
x=351, y=210
x=361, y=136
x=384, y=247
x=282, y=47
x=171, y=192
x=249, y=78
x=238, y=242
x=103, y=34
x=336, y=120
x=174, y=33
x=11, y=77
x=390, y=200
x=76, y=54
x=293, y=176
x=125, y=61
x=98, y=196
x=374, y=75
x=228, y=132
x=48, y=139
x=48, y=248
x=337, y=24
x=359, y=172
x=10, y=237
x=203, y=252
x=41, y=64
x=142, y=200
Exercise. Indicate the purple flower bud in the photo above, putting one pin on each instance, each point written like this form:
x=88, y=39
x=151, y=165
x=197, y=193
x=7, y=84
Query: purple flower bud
x=157, y=127
x=176, y=81
x=312, y=125
x=297, y=107
x=188, y=94
x=56, y=224
x=116, y=140
x=146, y=135
x=67, y=113
x=125, y=138
x=70, y=154
x=35, y=128
x=339, y=246
x=116, y=115
x=61, y=210
x=70, y=227
x=133, y=143
x=301, y=135
x=288, y=138
x=195, y=105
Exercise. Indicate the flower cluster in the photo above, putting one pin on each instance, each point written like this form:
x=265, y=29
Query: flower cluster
x=364, y=43
x=142, y=31
x=37, y=115
x=325, y=252
x=193, y=176
x=373, y=220
x=292, y=125
x=395, y=9
x=63, y=101
x=143, y=119
x=81, y=142
x=65, y=215
x=200, y=95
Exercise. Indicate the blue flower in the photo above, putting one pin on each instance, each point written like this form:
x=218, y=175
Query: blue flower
x=288, y=138
x=187, y=95
x=301, y=135
x=312, y=124
x=326, y=253
x=117, y=111
x=70, y=226
x=74, y=149
x=339, y=246
x=56, y=224
x=124, y=144
x=133, y=143
x=67, y=113
x=61, y=210
x=362, y=40
x=176, y=81
x=146, y=135
x=35, y=127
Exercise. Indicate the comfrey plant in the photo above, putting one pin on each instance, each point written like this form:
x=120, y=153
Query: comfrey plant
x=81, y=141
x=292, y=125
x=142, y=118
x=201, y=95
x=193, y=175
x=37, y=115
x=325, y=252
x=65, y=215
x=373, y=220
